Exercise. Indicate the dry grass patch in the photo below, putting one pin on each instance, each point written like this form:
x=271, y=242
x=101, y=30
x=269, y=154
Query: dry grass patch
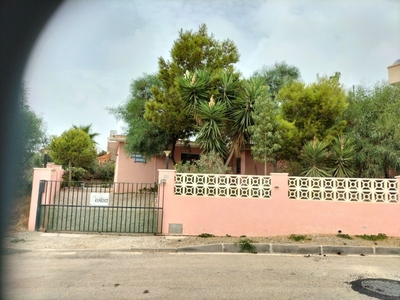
x=19, y=213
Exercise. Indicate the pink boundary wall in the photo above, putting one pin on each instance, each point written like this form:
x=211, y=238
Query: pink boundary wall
x=52, y=172
x=276, y=216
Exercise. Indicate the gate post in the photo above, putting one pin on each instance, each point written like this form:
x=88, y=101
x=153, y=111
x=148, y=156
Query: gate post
x=279, y=186
x=166, y=180
x=39, y=200
x=38, y=175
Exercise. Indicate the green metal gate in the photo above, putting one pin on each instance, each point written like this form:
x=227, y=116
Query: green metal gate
x=99, y=207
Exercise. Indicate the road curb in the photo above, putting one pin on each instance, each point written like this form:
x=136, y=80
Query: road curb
x=387, y=250
x=346, y=250
x=203, y=248
x=235, y=248
x=6, y=251
x=295, y=249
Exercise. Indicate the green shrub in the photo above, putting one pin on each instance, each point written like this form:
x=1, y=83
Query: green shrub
x=380, y=236
x=152, y=189
x=344, y=236
x=186, y=167
x=101, y=172
x=77, y=174
x=206, y=235
x=299, y=237
x=209, y=163
x=246, y=245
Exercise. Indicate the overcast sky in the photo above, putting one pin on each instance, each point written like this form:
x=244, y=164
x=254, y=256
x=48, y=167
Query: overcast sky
x=90, y=51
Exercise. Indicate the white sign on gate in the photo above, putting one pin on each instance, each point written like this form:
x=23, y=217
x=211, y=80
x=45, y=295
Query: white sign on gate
x=99, y=199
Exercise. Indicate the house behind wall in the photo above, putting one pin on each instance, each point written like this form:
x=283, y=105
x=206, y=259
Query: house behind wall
x=394, y=73
x=132, y=167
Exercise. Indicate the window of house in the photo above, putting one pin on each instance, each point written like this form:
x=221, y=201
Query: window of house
x=138, y=158
x=189, y=157
x=238, y=165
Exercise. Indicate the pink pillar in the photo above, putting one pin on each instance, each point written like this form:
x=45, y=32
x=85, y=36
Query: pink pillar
x=166, y=181
x=279, y=186
x=57, y=171
x=52, y=172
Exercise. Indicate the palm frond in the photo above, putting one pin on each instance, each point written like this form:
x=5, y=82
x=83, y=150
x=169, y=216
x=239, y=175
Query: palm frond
x=228, y=89
x=314, y=159
x=343, y=156
x=241, y=114
x=210, y=137
x=194, y=88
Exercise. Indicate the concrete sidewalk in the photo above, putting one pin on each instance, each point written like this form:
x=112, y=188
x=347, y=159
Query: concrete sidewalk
x=18, y=242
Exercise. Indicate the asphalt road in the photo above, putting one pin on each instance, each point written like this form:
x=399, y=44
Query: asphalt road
x=148, y=275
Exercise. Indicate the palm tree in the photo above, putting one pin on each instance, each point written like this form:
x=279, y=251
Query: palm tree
x=87, y=130
x=241, y=114
x=343, y=157
x=209, y=112
x=222, y=120
x=314, y=159
x=210, y=137
x=195, y=88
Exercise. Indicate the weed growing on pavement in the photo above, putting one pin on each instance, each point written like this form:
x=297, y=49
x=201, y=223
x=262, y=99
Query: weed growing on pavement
x=246, y=244
x=299, y=237
x=344, y=236
x=372, y=237
x=206, y=235
x=17, y=240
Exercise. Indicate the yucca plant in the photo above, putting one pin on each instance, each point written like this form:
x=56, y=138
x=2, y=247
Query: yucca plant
x=241, y=113
x=314, y=159
x=228, y=89
x=343, y=157
x=210, y=136
x=194, y=88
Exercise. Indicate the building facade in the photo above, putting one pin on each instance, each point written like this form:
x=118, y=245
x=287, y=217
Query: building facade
x=394, y=73
x=132, y=167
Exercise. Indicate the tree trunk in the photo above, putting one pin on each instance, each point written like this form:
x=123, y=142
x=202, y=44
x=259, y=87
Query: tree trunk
x=386, y=170
x=265, y=168
x=229, y=158
x=173, y=151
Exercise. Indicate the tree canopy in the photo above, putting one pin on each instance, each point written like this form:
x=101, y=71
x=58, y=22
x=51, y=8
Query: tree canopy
x=88, y=130
x=142, y=136
x=73, y=148
x=31, y=136
x=266, y=135
x=316, y=110
x=277, y=76
x=192, y=51
x=198, y=93
x=222, y=109
x=372, y=119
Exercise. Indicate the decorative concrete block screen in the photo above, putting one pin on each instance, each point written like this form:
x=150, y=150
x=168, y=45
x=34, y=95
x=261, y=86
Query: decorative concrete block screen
x=344, y=189
x=222, y=185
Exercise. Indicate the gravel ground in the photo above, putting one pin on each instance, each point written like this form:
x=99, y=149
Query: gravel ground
x=39, y=240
